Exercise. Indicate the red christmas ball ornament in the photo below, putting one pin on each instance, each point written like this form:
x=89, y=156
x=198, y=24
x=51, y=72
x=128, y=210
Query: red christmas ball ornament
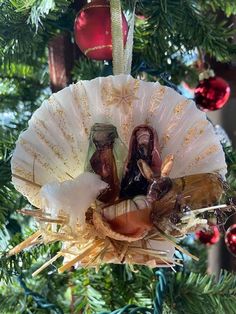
x=92, y=29
x=208, y=236
x=212, y=92
x=230, y=239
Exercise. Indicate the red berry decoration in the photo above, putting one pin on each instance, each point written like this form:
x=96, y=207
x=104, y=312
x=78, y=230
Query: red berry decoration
x=208, y=236
x=92, y=30
x=212, y=92
x=230, y=239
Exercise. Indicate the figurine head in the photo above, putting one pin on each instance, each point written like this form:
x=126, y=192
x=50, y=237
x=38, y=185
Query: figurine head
x=103, y=135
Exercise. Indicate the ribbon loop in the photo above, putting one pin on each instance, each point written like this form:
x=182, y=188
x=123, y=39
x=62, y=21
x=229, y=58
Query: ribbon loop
x=122, y=56
x=117, y=37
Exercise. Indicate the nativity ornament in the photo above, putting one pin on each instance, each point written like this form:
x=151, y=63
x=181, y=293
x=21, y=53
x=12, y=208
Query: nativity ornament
x=117, y=169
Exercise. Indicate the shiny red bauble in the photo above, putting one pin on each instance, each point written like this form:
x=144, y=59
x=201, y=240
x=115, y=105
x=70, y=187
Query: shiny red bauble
x=212, y=93
x=230, y=239
x=92, y=29
x=208, y=236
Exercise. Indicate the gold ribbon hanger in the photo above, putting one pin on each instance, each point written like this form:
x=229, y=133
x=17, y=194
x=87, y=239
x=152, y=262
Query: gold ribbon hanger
x=122, y=56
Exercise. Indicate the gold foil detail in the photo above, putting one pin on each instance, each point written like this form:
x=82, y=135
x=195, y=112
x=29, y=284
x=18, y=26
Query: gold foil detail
x=54, y=148
x=57, y=114
x=18, y=170
x=121, y=97
x=181, y=106
x=204, y=154
x=94, y=6
x=126, y=130
x=156, y=99
x=164, y=140
x=40, y=123
x=39, y=158
x=173, y=123
x=194, y=132
x=208, y=151
x=96, y=48
x=79, y=93
x=51, y=100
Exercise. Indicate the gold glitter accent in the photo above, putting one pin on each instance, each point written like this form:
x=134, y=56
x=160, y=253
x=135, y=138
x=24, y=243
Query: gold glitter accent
x=81, y=99
x=167, y=135
x=125, y=131
x=41, y=160
x=128, y=124
x=208, y=151
x=204, y=154
x=96, y=48
x=178, y=111
x=18, y=170
x=55, y=149
x=147, y=121
x=181, y=106
x=51, y=100
x=62, y=125
x=156, y=99
x=164, y=140
x=40, y=123
x=57, y=114
x=122, y=97
x=194, y=132
x=38, y=157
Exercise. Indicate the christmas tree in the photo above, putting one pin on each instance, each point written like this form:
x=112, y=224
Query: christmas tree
x=38, y=50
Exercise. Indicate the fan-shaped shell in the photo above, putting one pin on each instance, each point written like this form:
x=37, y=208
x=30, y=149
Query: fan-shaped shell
x=54, y=146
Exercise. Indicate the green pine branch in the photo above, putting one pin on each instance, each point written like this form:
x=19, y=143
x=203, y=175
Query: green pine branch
x=230, y=155
x=112, y=287
x=178, y=26
x=171, y=28
x=38, y=10
x=227, y=6
x=195, y=293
